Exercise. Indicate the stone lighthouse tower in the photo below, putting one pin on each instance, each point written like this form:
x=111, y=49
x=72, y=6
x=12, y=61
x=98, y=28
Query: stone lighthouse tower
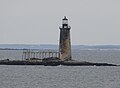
x=65, y=43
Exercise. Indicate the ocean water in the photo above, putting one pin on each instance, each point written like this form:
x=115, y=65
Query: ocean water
x=59, y=77
x=63, y=76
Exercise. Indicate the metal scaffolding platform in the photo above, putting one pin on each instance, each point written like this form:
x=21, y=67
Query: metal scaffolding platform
x=38, y=54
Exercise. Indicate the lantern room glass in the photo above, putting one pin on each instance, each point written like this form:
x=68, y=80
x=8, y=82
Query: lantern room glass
x=65, y=21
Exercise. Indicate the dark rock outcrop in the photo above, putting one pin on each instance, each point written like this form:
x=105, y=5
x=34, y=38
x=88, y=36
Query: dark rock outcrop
x=53, y=61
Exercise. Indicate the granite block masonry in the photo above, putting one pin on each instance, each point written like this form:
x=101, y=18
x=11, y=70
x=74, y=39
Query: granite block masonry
x=65, y=41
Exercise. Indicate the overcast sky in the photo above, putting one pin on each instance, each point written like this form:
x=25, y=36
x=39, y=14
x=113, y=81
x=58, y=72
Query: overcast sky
x=38, y=21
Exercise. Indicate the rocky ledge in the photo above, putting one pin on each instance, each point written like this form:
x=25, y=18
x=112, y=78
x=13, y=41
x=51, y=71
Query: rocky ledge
x=53, y=62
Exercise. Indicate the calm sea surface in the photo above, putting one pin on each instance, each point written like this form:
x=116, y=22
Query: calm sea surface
x=62, y=76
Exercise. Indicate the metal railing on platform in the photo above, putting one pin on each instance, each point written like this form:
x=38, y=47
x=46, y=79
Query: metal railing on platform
x=38, y=54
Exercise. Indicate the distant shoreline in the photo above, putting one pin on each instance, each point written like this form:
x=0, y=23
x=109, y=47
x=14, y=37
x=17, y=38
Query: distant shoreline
x=15, y=49
x=50, y=46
